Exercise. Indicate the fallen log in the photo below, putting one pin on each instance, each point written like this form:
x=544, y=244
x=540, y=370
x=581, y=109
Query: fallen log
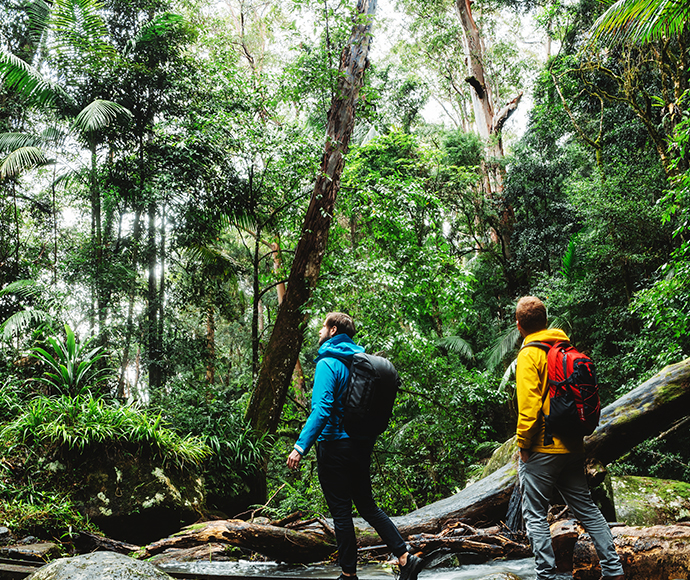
x=642, y=413
x=656, y=553
x=281, y=544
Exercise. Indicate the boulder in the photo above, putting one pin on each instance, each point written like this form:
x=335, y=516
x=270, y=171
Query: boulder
x=101, y=565
x=645, y=501
x=136, y=498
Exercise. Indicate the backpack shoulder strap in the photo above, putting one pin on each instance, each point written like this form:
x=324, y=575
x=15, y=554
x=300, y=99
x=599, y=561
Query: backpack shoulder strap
x=342, y=359
x=545, y=346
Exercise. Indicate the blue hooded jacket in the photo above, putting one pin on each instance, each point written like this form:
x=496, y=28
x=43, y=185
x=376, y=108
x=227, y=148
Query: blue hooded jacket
x=330, y=380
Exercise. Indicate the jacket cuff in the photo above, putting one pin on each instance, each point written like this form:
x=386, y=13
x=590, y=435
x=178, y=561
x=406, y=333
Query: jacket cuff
x=299, y=449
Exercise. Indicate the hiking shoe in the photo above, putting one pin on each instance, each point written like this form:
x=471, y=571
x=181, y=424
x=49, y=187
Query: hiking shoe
x=343, y=577
x=411, y=570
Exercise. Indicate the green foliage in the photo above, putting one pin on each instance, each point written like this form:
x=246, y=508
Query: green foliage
x=463, y=149
x=43, y=514
x=215, y=415
x=75, y=424
x=74, y=369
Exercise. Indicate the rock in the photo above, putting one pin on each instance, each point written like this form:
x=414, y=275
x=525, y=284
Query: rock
x=645, y=501
x=39, y=552
x=100, y=565
x=136, y=499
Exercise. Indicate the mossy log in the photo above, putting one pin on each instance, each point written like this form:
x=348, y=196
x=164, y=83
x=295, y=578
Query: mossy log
x=644, y=412
x=656, y=553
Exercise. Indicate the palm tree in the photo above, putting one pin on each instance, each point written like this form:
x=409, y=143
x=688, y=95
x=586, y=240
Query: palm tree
x=641, y=21
x=74, y=29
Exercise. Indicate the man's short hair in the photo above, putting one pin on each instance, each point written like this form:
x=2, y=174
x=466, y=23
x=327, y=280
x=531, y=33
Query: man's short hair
x=530, y=312
x=343, y=322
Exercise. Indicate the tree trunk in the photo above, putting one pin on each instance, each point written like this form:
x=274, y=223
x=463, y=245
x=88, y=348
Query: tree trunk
x=283, y=348
x=136, y=234
x=153, y=342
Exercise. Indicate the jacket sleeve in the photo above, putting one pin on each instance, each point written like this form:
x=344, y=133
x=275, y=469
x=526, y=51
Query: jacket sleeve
x=531, y=382
x=322, y=401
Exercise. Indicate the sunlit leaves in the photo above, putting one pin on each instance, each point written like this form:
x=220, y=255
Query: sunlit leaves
x=642, y=21
x=20, y=160
x=78, y=423
x=21, y=77
x=99, y=114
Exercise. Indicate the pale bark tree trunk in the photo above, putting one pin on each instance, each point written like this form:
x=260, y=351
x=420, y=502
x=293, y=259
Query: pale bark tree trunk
x=283, y=348
x=489, y=122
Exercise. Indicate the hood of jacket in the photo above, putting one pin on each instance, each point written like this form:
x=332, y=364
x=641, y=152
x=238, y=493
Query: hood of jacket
x=341, y=345
x=547, y=335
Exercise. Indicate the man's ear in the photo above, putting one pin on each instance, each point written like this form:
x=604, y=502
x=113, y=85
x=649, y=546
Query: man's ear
x=333, y=330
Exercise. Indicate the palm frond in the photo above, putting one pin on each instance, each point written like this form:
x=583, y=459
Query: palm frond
x=22, y=159
x=79, y=24
x=569, y=259
x=24, y=288
x=11, y=141
x=99, y=114
x=38, y=11
x=21, y=77
x=20, y=321
x=508, y=375
x=641, y=21
x=504, y=344
x=457, y=344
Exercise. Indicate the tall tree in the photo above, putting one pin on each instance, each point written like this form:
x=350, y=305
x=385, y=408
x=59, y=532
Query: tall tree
x=283, y=348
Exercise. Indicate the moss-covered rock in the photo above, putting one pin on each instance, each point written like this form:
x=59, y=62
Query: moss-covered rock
x=645, y=501
x=137, y=498
x=101, y=565
x=504, y=454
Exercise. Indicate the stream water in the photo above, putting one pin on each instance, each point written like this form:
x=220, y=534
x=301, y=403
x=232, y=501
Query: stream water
x=522, y=569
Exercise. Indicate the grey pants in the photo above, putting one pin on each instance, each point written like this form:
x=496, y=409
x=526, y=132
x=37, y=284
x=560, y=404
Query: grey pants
x=564, y=472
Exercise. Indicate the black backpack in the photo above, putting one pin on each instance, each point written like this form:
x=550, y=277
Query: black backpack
x=369, y=395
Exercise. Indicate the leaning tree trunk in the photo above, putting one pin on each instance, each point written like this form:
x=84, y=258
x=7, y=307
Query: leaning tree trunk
x=283, y=347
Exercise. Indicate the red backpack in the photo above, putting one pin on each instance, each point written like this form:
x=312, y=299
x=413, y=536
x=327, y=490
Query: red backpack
x=573, y=391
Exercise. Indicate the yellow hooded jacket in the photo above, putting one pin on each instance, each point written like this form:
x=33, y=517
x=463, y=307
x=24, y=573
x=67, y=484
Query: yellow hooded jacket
x=531, y=377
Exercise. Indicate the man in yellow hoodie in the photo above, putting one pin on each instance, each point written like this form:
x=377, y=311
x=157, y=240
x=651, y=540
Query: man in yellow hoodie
x=548, y=465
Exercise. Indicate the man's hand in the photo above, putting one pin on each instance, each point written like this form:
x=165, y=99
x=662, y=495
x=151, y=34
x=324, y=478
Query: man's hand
x=293, y=459
x=524, y=454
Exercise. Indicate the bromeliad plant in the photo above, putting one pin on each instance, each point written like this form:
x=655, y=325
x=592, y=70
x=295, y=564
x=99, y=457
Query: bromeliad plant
x=73, y=367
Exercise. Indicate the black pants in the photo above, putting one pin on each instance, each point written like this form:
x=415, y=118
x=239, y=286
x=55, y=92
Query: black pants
x=344, y=477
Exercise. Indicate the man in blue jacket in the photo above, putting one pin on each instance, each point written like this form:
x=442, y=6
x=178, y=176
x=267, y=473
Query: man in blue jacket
x=343, y=461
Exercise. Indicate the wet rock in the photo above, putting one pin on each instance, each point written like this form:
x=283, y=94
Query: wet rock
x=645, y=501
x=38, y=552
x=101, y=565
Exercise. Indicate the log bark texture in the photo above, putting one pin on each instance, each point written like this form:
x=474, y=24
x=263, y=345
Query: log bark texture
x=281, y=544
x=643, y=413
x=656, y=553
